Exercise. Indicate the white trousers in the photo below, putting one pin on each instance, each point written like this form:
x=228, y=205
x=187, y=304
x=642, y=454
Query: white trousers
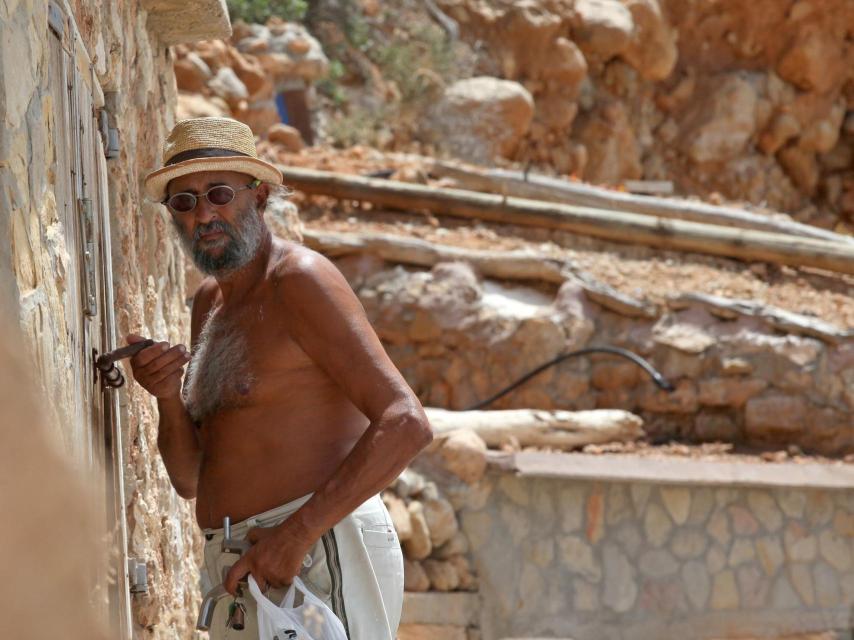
x=356, y=569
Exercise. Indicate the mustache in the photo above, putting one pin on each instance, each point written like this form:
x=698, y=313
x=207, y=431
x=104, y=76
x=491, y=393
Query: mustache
x=213, y=225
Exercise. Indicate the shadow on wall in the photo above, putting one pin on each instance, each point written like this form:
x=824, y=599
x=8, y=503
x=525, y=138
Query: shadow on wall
x=51, y=548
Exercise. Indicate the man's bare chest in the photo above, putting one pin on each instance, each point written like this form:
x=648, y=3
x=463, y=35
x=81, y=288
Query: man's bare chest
x=238, y=361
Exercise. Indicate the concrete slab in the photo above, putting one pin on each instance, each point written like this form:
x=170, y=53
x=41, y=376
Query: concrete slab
x=627, y=468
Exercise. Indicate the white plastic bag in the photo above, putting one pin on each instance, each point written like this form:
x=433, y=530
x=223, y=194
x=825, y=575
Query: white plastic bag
x=312, y=620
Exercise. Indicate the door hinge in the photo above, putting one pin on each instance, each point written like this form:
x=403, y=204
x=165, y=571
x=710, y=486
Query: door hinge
x=137, y=576
x=90, y=302
x=110, y=135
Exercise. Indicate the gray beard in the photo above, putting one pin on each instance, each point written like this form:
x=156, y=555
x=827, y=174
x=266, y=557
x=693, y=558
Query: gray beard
x=240, y=245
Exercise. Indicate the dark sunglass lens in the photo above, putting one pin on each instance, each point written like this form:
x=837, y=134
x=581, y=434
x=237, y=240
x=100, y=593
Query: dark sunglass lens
x=220, y=195
x=182, y=202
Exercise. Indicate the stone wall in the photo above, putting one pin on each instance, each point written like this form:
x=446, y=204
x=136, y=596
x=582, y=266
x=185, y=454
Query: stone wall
x=133, y=69
x=600, y=559
x=741, y=376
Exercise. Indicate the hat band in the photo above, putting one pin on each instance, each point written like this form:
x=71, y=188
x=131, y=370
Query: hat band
x=208, y=152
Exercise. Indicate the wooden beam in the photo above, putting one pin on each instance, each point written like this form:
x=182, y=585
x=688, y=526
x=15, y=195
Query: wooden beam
x=616, y=226
x=547, y=188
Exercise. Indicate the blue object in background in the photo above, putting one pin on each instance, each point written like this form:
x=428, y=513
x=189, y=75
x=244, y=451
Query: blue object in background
x=282, y=108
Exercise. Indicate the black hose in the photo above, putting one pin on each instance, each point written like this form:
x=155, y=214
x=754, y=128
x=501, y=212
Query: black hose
x=657, y=377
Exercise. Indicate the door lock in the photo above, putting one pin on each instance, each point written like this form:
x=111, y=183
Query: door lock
x=111, y=375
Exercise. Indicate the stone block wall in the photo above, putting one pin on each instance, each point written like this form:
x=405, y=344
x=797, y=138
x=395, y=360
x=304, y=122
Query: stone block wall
x=133, y=69
x=598, y=559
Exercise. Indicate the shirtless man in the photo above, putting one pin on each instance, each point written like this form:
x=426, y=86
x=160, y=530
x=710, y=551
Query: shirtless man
x=292, y=417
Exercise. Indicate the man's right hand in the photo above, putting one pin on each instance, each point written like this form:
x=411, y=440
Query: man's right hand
x=159, y=368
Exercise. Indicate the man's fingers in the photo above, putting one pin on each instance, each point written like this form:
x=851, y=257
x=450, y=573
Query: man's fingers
x=258, y=533
x=238, y=571
x=166, y=374
x=144, y=357
x=167, y=363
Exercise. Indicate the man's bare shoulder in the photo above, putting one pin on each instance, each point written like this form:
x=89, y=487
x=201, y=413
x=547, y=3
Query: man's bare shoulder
x=303, y=270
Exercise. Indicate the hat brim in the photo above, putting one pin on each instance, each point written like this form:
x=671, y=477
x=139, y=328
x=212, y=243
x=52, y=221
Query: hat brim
x=156, y=181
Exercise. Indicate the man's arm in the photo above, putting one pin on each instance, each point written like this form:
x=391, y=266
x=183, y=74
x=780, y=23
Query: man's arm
x=159, y=370
x=328, y=322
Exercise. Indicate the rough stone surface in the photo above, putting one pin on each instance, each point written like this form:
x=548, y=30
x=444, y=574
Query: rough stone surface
x=481, y=118
x=441, y=521
x=418, y=546
x=719, y=128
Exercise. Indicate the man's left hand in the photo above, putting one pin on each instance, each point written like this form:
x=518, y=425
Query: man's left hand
x=276, y=556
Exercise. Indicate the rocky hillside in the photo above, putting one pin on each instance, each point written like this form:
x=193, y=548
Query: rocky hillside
x=747, y=102
x=752, y=100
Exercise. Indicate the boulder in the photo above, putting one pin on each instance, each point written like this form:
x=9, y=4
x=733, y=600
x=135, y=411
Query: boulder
x=652, y=50
x=526, y=32
x=408, y=484
x=602, y=28
x=566, y=65
x=462, y=453
x=801, y=166
x=418, y=546
x=399, y=516
x=286, y=136
x=784, y=126
x=613, y=153
x=813, y=62
x=467, y=579
x=458, y=544
x=193, y=105
x=414, y=576
x=214, y=53
x=443, y=575
x=228, y=86
x=719, y=124
x=441, y=520
x=775, y=415
x=259, y=116
x=192, y=73
x=283, y=217
x=251, y=74
x=479, y=119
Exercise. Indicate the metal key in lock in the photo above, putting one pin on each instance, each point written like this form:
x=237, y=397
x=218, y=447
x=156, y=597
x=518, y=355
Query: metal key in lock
x=236, y=615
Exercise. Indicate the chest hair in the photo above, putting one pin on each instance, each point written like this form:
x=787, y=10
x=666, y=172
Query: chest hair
x=218, y=368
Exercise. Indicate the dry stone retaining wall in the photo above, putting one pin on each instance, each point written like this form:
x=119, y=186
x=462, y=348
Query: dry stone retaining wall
x=738, y=378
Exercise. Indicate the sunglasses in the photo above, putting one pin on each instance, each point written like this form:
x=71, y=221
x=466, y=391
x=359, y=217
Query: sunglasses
x=218, y=196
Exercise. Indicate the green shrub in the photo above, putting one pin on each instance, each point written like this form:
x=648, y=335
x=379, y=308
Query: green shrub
x=259, y=11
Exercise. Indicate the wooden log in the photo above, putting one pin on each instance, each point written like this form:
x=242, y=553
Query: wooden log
x=616, y=226
x=538, y=428
x=539, y=187
x=501, y=265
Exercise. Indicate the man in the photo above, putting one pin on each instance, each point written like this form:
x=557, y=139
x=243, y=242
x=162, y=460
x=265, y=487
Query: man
x=292, y=417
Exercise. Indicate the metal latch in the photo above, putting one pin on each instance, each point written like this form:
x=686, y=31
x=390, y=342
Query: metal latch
x=90, y=303
x=137, y=576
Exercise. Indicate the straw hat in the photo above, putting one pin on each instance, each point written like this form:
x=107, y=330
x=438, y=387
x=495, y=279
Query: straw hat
x=208, y=144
